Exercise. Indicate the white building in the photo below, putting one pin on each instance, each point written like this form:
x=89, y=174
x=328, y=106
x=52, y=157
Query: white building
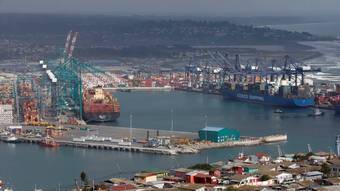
x=283, y=177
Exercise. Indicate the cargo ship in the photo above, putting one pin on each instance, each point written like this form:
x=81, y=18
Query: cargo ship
x=100, y=106
x=268, y=94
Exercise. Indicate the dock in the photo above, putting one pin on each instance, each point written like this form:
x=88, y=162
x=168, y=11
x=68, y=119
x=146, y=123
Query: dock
x=140, y=136
x=166, y=88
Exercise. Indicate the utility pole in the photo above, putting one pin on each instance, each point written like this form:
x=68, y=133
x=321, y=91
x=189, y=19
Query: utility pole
x=206, y=125
x=130, y=127
x=309, y=148
x=172, y=121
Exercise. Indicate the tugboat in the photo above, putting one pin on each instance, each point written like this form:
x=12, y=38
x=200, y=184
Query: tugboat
x=316, y=113
x=49, y=142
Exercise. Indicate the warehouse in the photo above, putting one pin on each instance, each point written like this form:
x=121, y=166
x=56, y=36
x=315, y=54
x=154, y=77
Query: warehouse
x=218, y=134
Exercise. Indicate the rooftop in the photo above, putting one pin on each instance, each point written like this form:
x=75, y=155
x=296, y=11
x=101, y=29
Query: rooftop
x=335, y=161
x=212, y=129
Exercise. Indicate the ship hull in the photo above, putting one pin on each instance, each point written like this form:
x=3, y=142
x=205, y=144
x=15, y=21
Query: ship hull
x=267, y=99
x=100, y=116
x=51, y=145
x=337, y=109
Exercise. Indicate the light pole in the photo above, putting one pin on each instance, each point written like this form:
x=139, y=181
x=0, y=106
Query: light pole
x=172, y=121
x=130, y=127
x=206, y=125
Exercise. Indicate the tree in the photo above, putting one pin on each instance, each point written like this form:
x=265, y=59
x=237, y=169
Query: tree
x=264, y=177
x=202, y=167
x=325, y=169
x=83, y=178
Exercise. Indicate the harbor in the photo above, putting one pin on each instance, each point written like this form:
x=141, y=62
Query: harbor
x=73, y=114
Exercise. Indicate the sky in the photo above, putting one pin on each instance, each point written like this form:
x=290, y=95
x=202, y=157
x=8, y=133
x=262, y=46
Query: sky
x=175, y=7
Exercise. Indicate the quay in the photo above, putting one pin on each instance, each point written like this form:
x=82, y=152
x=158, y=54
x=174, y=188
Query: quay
x=165, y=88
x=135, y=139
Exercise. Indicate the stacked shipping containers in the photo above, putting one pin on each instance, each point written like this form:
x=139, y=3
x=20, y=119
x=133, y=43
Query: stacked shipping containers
x=6, y=114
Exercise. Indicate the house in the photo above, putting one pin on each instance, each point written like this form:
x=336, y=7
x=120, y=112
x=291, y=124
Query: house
x=283, y=177
x=180, y=172
x=332, y=181
x=145, y=177
x=334, y=164
x=160, y=184
x=317, y=159
x=329, y=188
x=200, y=178
x=190, y=176
x=263, y=157
x=241, y=179
x=191, y=187
x=217, y=173
x=325, y=154
x=237, y=169
x=312, y=175
x=173, y=179
x=123, y=187
x=252, y=159
x=294, y=166
x=251, y=169
x=215, y=187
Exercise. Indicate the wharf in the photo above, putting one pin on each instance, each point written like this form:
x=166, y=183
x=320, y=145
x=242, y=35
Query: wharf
x=198, y=90
x=105, y=146
x=140, y=135
x=167, y=88
x=124, y=132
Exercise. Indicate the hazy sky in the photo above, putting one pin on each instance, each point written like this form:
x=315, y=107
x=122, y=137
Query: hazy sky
x=176, y=7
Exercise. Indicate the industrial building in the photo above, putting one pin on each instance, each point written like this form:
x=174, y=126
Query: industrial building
x=218, y=134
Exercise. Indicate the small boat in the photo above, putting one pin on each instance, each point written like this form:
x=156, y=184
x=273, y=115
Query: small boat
x=10, y=139
x=278, y=111
x=49, y=142
x=316, y=113
x=3, y=187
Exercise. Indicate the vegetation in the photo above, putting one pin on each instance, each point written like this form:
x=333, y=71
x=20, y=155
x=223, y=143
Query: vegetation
x=203, y=166
x=300, y=157
x=325, y=169
x=84, y=179
x=264, y=177
x=231, y=188
x=129, y=36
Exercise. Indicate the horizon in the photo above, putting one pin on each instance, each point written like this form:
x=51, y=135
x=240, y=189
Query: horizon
x=178, y=8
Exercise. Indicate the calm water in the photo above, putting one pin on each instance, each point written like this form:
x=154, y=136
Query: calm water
x=25, y=165
x=323, y=29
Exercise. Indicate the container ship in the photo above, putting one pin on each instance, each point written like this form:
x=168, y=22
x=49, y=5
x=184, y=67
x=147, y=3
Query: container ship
x=100, y=106
x=283, y=95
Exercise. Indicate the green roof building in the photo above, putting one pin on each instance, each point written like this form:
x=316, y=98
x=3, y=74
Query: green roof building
x=218, y=134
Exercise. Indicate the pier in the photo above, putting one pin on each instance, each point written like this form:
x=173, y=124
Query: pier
x=165, y=88
x=137, y=140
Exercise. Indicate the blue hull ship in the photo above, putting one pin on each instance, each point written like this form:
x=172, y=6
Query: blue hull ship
x=267, y=99
x=337, y=108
